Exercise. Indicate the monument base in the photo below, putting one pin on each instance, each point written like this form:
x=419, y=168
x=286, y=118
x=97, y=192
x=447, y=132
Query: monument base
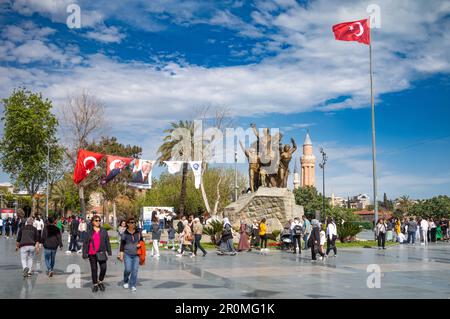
x=277, y=205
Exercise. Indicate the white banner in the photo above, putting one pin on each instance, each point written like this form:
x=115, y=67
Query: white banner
x=174, y=166
x=197, y=168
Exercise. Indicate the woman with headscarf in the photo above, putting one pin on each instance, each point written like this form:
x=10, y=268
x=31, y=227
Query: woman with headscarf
x=226, y=242
x=243, y=239
x=314, y=240
x=187, y=237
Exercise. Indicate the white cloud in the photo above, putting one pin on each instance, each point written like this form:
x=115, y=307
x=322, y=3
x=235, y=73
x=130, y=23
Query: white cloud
x=106, y=34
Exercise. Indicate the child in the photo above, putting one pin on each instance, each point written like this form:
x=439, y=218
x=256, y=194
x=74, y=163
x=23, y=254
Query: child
x=171, y=234
x=323, y=239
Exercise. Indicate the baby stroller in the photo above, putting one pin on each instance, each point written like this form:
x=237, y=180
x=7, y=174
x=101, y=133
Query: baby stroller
x=285, y=239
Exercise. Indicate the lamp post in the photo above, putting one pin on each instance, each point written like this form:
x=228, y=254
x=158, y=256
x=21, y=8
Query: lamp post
x=235, y=176
x=48, y=168
x=322, y=166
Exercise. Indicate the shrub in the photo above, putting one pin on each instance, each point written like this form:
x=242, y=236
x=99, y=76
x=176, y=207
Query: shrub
x=107, y=226
x=274, y=235
x=348, y=231
x=214, y=230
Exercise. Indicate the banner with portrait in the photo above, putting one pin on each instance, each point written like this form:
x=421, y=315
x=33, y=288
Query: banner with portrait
x=141, y=174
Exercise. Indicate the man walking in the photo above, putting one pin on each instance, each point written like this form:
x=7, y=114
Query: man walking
x=424, y=229
x=296, y=231
x=306, y=231
x=74, y=247
x=28, y=243
x=412, y=228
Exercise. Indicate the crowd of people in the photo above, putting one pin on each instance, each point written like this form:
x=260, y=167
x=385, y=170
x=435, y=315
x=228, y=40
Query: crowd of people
x=88, y=238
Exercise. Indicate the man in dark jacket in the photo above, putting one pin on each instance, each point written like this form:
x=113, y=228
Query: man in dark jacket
x=74, y=247
x=314, y=240
x=28, y=243
x=51, y=240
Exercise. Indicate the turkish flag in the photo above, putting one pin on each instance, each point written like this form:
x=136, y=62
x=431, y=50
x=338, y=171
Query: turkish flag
x=114, y=165
x=86, y=161
x=353, y=31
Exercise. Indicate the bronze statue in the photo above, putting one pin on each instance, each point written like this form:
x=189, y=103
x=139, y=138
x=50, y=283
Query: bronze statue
x=285, y=158
x=269, y=164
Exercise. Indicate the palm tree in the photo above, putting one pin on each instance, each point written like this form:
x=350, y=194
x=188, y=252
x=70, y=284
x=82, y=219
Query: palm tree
x=404, y=203
x=173, y=149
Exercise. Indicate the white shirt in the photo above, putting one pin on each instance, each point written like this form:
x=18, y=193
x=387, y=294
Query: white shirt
x=39, y=224
x=424, y=224
x=331, y=230
x=322, y=238
x=82, y=227
x=295, y=223
x=1, y=222
x=161, y=216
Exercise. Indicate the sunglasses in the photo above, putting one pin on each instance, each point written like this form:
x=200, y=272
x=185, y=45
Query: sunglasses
x=96, y=220
x=132, y=222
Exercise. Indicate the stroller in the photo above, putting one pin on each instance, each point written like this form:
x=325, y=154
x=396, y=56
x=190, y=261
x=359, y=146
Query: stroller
x=285, y=239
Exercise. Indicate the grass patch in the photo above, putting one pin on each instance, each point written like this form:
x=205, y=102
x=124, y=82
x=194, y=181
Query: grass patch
x=363, y=244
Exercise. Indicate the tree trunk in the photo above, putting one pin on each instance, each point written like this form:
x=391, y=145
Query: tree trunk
x=205, y=198
x=183, y=188
x=33, y=205
x=216, y=204
x=82, y=202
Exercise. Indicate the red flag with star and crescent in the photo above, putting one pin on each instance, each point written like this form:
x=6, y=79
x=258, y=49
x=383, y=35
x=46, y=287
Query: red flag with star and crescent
x=353, y=31
x=114, y=165
x=86, y=161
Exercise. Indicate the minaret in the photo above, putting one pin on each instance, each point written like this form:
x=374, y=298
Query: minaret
x=308, y=162
x=296, y=176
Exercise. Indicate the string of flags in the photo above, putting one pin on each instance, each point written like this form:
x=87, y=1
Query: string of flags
x=141, y=170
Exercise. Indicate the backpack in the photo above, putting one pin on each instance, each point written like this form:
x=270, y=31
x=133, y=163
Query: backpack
x=180, y=227
x=297, y=230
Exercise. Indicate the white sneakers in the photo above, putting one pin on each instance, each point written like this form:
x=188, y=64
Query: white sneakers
x=193, y=255
x=126, y=286
x=133, y=289
x=179, y=255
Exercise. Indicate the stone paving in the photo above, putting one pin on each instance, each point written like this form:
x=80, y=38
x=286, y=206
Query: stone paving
x=406, y=272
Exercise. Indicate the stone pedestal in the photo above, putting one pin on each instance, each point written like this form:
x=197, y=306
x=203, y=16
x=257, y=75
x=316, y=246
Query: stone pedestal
x=277, y=205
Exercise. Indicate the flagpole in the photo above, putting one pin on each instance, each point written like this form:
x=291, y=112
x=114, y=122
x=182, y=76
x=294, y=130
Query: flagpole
x=374, y=150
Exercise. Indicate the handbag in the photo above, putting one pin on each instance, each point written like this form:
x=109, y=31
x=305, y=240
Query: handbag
x=100, y=255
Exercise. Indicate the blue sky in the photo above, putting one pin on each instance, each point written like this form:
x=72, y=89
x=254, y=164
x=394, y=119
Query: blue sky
x=274, y=63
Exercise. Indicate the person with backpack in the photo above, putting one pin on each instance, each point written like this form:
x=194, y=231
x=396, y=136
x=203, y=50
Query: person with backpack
x=95, y=246
x=180, y=229
x=51, y=240
x=131, y=241
x=74, y=247
x=254, y=241
x=243, y=239
x=156, y=235
x=186, y=238
x=297, y=232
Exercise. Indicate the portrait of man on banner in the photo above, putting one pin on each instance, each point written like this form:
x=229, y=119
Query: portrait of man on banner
x=141, y=174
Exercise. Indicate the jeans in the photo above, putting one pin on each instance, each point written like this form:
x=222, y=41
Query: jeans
x=131, y=269
x=155, y=247
x=94, y=269
x=49, y=255
x=381, y=239
x=297, y=243
x=171, y=241
x=197, y=244
x=162, y=224
x=305, y=240
x=26, y=256
x=412, y=237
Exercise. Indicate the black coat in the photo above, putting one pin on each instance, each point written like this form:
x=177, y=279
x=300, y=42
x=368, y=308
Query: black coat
x=51, y=237
x=314, y=236
x=104, y=242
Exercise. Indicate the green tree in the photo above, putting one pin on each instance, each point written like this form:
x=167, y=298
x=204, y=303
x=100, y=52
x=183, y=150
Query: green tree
x=310, y=199
x=404, y=204
x=29, y=128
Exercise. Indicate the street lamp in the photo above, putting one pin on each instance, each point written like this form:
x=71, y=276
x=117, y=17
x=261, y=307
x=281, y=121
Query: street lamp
x=48, y=168
x=322, y=166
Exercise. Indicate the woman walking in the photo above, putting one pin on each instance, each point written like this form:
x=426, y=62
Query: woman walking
x=263, y=234
x=186, y=238
x=82, y=228
x=198, y=231
x=95, y=246
x=171, y=236
x=314, y=240
x=156, y=235
x=331, y=236
x=380, y=232
x=129, y=244
x=51, y=240
x=243, y=239
x=226, y=242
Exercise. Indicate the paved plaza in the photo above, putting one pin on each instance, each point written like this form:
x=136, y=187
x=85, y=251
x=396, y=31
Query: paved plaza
x=406, y=272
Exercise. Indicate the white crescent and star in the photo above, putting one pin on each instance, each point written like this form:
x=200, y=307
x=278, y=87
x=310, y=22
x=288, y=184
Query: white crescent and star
x=361, y=29
x=89, y=158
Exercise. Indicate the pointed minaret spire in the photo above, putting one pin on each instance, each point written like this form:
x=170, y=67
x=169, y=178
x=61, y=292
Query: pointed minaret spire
x=296, y=176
